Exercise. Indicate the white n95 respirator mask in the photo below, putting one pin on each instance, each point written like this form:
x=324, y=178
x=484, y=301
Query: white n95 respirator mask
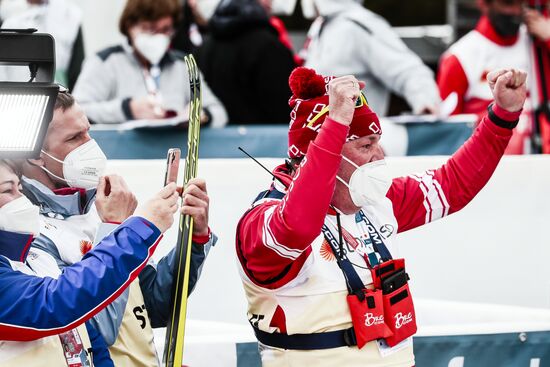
x=82, y=167
x=152, y=46
x=20, y=216
x=369, y=183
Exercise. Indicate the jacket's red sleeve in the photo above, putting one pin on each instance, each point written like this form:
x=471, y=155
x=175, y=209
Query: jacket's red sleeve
x=423, y=198
x=273, y=239
x=452, y=78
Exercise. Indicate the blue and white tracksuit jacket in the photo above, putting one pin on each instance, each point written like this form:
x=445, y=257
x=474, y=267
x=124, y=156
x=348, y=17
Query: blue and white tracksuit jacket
x=34, y=309
x=125, y=324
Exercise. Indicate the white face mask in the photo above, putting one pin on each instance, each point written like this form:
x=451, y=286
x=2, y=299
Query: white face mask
x=83, y=166
x=152, y=46
x=20, y=216
x=368, y=184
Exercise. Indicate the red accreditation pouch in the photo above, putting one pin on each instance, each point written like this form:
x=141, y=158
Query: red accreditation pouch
x=385, y=269
x=367, y=316
x=398, y=307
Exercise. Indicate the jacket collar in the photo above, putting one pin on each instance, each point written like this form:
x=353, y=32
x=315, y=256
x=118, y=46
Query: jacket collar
x=485, y=27
x=64, y=204
x=15, y=246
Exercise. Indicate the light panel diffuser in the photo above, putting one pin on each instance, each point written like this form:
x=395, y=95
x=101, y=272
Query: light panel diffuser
x=26, y=110
x=20, y=119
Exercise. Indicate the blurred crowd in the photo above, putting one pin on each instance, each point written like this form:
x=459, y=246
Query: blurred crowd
x=245, y=55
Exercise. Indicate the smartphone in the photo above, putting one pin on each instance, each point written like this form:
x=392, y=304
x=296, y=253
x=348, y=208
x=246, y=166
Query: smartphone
x=172, y=165
x=394, y=281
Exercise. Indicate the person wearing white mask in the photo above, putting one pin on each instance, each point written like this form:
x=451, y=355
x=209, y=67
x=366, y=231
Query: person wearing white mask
x=143, y=79
x=42, y=315
x=79, y=204
x=318, y=252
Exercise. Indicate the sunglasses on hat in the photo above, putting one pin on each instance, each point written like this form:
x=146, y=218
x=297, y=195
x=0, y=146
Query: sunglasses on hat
x=361, y=101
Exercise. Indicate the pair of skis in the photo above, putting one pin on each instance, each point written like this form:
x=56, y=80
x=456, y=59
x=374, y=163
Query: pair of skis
x=175, y=331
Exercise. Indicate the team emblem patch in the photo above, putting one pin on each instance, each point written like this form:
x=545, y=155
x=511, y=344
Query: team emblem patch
x=326, y=252
x=85, y=246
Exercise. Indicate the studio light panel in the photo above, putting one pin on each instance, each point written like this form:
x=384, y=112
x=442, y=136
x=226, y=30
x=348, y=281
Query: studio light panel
x=26, y=110
x=20, y=118
x=26, y=106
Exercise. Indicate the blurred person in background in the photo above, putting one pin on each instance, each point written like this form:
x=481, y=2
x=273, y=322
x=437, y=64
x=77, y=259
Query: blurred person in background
x=79, y=206
x=244, y=61
x=63, y=20
x=346, y=38
x=191, y=29
x=498, y=39
x=43, y=310
x=142, y=79
x=271, y=7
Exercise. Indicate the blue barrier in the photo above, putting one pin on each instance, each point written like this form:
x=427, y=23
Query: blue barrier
x=436, y=138
x=259, y=140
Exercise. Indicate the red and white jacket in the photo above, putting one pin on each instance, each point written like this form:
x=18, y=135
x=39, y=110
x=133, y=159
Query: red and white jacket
x=290, y=276
x=464, y=67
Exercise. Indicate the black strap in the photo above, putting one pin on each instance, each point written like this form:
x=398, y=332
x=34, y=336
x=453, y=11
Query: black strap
x=269, y=194
x=376, y=238
x=500, y=122
x=328, y=340
x=353, y=281
x=260, y=196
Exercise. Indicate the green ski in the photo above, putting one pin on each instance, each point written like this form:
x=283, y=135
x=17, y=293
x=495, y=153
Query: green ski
x=175, y=331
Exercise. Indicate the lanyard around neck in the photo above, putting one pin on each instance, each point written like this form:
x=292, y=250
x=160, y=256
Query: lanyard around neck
x=353, y=281
x=152, y=79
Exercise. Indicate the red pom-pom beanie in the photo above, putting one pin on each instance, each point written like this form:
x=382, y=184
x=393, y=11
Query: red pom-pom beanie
x=309, y=103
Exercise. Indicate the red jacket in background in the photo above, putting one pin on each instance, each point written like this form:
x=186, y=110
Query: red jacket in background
x=464, y=67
